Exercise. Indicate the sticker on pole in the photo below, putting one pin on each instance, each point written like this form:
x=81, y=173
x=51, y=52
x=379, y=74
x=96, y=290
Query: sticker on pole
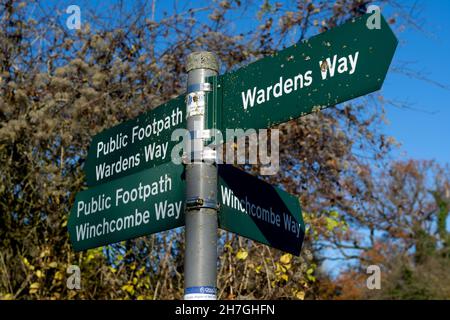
x=200, y=293
x=196, y=103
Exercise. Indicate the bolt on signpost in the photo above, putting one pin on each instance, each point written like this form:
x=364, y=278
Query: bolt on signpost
x=135, y=190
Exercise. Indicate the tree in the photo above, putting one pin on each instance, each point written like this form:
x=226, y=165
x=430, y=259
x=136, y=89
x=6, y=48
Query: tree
x=407, y=227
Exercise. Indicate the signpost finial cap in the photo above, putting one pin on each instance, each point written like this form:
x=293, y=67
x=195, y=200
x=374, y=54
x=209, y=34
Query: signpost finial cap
x=202, y=60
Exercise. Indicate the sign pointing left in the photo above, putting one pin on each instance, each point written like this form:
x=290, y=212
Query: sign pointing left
x=134, y=145
x=143, y=203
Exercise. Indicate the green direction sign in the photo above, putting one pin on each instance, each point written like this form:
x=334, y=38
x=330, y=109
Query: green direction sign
x=134, y=145
x=338, y=65
x=140, y=204
x=254, y=209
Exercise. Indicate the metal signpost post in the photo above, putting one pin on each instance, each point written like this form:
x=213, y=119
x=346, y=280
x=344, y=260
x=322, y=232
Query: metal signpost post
x=200, y=260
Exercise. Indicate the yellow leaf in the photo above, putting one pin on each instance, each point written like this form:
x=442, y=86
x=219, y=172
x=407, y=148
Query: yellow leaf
x=27, y=264
x=45, y=253
x=39, y=274
x=242, y=254
x=53, y=264
x=286, y=258
x=58, y=276
x=331, y=224
x=228, y=246
x=280, y=268
x=141, y=297
x=129, y=288
x=34, y=287
x=300, y=295
x=311, y=278
x=7, y=296
x=285, y=277
x=140, y=271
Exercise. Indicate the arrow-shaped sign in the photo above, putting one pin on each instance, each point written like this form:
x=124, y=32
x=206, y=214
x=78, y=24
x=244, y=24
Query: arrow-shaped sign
x=335, y=66
x=134, y=145
x=259, y=211
x=140, y=204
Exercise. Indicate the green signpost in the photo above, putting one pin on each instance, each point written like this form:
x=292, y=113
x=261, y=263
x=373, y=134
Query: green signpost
x=134, y=145
x=136, y=190
x=338, y=65
x=259, y=211
x=140, y=204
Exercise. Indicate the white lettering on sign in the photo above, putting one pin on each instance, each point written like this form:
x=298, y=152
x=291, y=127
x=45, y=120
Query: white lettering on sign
x=105, y=170
x=138, y=133
x=114, y=143
x=287, y=86
x=87, y=231
x=95, y=204
x=142, y=192
x=267, y=215
x=155, y=151
x=328, y=68
x=156, y=127
x=167, y=209
x=150, y=152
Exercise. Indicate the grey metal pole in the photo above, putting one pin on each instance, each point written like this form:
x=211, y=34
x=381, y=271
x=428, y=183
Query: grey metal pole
x=200, y=264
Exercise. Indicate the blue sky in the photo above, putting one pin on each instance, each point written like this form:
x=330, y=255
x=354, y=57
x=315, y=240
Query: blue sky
x=423, y=134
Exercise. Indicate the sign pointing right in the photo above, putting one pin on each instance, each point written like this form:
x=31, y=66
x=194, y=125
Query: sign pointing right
x=259, y=211
x=335, y=66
